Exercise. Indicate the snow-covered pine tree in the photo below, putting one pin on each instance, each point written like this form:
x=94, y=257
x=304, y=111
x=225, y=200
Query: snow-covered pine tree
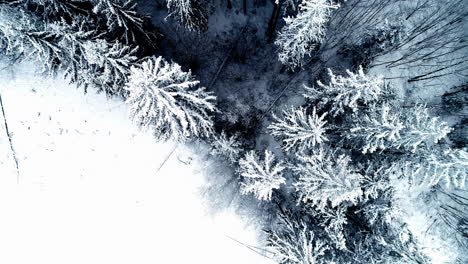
x=301, y=34
x=298, y=129
x=111, y=61
x=189, y=13
x=377, y=130
x=121, y=18
x=434, y=166
x=390, y=240
x=92, y=62
x=67, y=46
x=229, y=147
x=333, y=222
x=421, y=128
x=54, y=10
x=344, y=93
x=324, y=176
x=23, y=36
x=451, y=165
x=164, y=98
x=295, y=243
x=389, y=127
x=260, y=177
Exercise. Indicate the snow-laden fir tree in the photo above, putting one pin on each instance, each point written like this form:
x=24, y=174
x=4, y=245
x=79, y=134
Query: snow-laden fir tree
x=344, y=93
x=261, y=177
x=167, y=99
x=111, y=60
x=324, y=176
x=72, y=47
x=376, y=130
x=229, y=147
x=52, y=10
x=333, y=222
x=23, y=36
x=434, y=166
x=295, y=243
x=450, y=165
x=391, y=128
x=421, y=127
x=90, y=62
x=301, y=34
x=121, y=15
x=189, y=13
x=298, y=129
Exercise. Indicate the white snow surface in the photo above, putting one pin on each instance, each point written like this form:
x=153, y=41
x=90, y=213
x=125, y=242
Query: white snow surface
x=89, y=189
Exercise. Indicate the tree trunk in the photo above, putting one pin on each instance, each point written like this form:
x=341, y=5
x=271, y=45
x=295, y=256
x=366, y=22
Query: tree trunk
x=229, y=4
x=275, y=14
x=244, y=4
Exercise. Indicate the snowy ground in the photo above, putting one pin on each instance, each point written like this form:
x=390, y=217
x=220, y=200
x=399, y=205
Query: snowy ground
x=89, y=189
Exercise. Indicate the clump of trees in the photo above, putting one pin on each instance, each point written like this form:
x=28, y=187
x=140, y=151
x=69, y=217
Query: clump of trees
x=334, y=186
x=93, y=42
x=344, y=187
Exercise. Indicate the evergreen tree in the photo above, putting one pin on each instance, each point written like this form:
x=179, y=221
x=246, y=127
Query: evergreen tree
x=261, y=176
x=111, y=61
x=189, y=13
x=334, y=220
x=122, y=19
x=434, y=166
x=229, y=147
x=23, y=36
x=345, y=93
x=164, y=98
x=54, y=10
x=295, y=243
x=324, y=176
x=303, y=33
x=389, y=128
x=377, y=130
x=299, y=130
x=71, y=47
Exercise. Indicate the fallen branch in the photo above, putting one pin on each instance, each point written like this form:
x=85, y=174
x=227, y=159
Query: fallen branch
x=9, y=139
x=167, y=157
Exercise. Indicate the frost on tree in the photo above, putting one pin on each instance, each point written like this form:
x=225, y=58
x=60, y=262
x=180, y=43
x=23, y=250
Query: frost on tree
x=298, y=129
x=301, y=34
x=165, y=98
x=295, y=243
x=345, y=93
x=389, y=128
x=189, y=13
x=261, y=176
x=326, y=177
x=229, y=147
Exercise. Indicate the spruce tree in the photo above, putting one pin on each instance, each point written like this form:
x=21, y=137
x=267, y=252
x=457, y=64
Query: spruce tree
x=167, y=100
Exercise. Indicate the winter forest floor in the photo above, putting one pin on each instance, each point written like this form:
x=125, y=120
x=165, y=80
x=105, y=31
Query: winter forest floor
x=93, y=189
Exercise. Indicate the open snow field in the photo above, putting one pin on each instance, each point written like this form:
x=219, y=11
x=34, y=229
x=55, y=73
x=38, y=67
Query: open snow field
x=89, y=189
